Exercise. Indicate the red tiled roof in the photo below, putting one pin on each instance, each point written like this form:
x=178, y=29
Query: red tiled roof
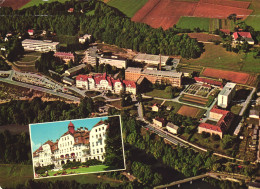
x=99, y=123
x=129, y=83
x=219, y=111
x=116, y=80
x=30, y=30
x=242, y=34
x=160, y=119
x=226, y=31
x=71, y=10
x=83, y=77
x=209, y=81
x=211, y=127
x=63, y=54
x=71, y=124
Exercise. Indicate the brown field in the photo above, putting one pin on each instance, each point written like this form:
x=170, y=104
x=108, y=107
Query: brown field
x=166, y=13
x=194, y=99
x=15, y=4
x=236, y=77
x=219, y=11
x=205, y=37
x=163, y=13
x=188, y=111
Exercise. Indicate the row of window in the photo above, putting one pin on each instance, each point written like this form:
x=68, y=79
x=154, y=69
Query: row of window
x=65, y=144
x=97, y=150
x=67, y=149
x=98, y=136
x=97, y=143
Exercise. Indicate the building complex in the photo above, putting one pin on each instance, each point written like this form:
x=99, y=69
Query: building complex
x=74, y=145
x=39, y=45
x=154, y=76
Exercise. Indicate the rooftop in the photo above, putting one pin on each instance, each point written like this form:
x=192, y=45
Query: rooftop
x=150, y=57
x=39, y=42
x=134, y=70
x=76, y=68
x=227, y=89
x=162, y=73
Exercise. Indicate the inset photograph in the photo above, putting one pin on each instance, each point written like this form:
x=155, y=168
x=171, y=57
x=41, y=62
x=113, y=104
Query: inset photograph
x=79, y=146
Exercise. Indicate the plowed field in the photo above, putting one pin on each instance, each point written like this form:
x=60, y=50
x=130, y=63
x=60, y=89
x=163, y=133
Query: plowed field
x=15, y=4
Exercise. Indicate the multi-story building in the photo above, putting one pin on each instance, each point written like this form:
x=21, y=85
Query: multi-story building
x=222, y=119
x=154, y=76
x=66, y=56
x=151, y=59
x=119, y=63
x=104, y=82
x=38, y=45
x=226, y=94
x=74, y=145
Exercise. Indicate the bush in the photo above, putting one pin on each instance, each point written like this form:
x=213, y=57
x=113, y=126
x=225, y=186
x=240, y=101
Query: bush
x=205, y=134
x=92, y=162
x=42, y=170
x=215, y=137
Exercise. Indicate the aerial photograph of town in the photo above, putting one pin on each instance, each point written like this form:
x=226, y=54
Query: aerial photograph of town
x=130, y=94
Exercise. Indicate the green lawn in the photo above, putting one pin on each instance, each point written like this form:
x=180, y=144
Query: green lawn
x=90, y=169
x=159, y=93
x=37, y=2
x=216, y=56
x=128, y=7
x=236, y=109
x=90, y=13
x=254, y=19
x=13, y=174
x=193, y=22
x=175, y=105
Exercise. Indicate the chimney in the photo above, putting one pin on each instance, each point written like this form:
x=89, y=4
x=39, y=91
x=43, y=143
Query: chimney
x=160, y=65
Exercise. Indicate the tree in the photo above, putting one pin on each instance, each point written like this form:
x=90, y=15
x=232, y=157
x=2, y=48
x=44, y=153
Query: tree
x=227, y=142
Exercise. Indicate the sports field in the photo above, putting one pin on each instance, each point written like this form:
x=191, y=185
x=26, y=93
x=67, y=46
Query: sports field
x=189, y=111
x=193, y=22
x=37, y=2
x=128, y=7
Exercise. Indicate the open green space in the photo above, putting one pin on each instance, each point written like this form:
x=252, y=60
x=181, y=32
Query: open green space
x=175, y=106
x=193, y=22
x=159, y=93
x=236, y=109
x=13, y=174
x=29, y=59
x=37, y=2
x=128, y=7
x=90, y=13
x=216, y=56
x=90, y=169
x=254, y=19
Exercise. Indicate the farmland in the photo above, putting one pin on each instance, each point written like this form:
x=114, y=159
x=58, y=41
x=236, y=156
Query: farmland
x=128, y=7
x=165, y=14
x=216, y=56
x=14, y=3
x=193, y=22
x=37, y=2
x=254, y=19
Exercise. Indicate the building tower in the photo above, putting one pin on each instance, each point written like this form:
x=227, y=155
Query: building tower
x=71, y=128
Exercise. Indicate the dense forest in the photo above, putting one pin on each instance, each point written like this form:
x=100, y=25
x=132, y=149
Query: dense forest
x=107, y=24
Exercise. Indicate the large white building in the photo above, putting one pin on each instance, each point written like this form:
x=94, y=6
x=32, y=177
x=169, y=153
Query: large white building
x=74, y=145
x=119, y=63
x=151, y=59
x=39, y=45
x=105, y=82
x=226, y=94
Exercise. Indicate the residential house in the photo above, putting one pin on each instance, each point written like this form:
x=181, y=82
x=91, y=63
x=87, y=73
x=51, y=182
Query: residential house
x=240, y=37
x=158, y=121
x=155, y=107
x=172, y=128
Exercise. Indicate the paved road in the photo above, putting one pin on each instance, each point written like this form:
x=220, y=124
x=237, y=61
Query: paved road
x=246, y=103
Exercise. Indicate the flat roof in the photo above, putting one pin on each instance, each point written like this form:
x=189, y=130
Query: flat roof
x=227, y=89
x=150, y=57
x=40, y=42
x=76, y=68
x=163, y=73
x=133, y=70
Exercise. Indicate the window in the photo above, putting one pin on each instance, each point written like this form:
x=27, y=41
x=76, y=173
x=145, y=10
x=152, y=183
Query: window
x=94, y=151
x=96, y=130
x=77, y=153
x=80, y=154
x=101, y=142
x=70, y=142
x=96, y=143
x=97, y=151
x=99, y=129
x=100, y=135
x=93, y=144
x=101, y=149
x=103, y=128
x=96, y=136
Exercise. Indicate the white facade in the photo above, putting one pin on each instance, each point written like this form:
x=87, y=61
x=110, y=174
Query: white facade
x=113, y=62
x=172, y=128
x=38, y=45
x=75, y=145
x=227, y=93
x=97, y=142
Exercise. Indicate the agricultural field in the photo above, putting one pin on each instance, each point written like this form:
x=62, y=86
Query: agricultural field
x=254, y=19
x=194, y=100
x=193, y=22
x=215, y=56
x=37, y=2
x=14, y=3
x=165, y=14
x=128, y=7
x=205, y=37
x=189, y=111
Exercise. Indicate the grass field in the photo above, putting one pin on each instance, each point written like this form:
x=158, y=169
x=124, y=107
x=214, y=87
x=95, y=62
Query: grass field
x=193, y=22
x=13, y=174
x=90, y=169
x=128, y=7
x=159, y=94
x=175, y=106
x=215, y=56
x=254, y=19
x=37, y=2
